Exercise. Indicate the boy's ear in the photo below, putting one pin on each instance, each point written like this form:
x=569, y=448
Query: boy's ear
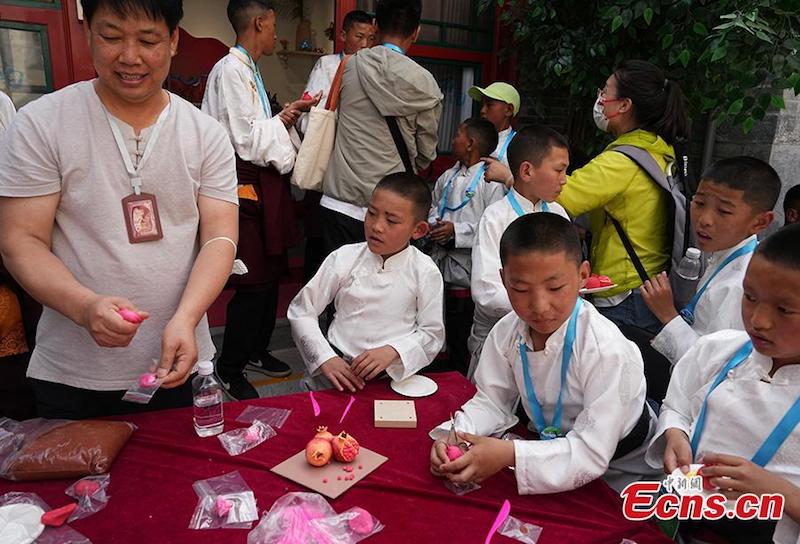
x=416, y=34
x=510, y=111
x=420, y=229
x=584, y=271
x=525, y=171
x=761, y=221
x=503, y=277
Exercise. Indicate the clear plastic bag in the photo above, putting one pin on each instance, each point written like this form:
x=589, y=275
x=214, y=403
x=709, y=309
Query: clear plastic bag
x=274, y=417
x=239, y=441
x=42, y=449
x=519, y=530
x=461, y=489
x=143, y=389
x=91, y=494
x=51, y=535
x=307, y=518
x=225, y=502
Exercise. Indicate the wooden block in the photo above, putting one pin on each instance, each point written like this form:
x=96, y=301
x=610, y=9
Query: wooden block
x=400, y=414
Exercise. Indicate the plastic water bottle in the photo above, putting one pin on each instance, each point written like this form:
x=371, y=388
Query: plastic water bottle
x=208, y=420
x=689, y=267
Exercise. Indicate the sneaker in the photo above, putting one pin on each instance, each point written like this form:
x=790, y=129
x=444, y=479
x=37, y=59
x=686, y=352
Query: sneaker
x=269, y=365
x=237, y=386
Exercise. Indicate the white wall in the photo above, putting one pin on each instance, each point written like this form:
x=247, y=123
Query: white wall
x=207, y=18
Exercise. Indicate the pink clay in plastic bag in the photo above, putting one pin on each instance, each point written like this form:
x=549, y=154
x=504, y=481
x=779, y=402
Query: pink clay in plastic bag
x=225, y=502
x=239, y=441
x=519, y=530
x=91, y=494
x=51, y=535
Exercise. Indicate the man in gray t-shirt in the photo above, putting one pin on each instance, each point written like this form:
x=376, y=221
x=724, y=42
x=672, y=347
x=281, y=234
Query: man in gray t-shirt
x=116, y=195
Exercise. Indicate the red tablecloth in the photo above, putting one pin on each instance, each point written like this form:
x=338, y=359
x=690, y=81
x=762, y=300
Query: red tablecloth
x=152, y=498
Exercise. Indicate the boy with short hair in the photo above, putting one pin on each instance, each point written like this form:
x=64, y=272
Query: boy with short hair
x=733, y=203
x=500, y=103
x=730, y=390
x=588, y=405
x=791, y=206
x=387, y=294
x=459, y=199
x=538, y=157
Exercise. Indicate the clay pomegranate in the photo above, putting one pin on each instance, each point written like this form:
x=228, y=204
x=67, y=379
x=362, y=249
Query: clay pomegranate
x=322, y=432
x=454, y=452
x=345, y=447
x=318, y=452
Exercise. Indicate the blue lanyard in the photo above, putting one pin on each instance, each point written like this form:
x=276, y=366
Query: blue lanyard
x=341, y=56
x=443, y=207
x=394, y=48
x=517, y=208
x=503, y=150
x=688, y=312
x=262, y=92
x=554, y=429
x=778, y=435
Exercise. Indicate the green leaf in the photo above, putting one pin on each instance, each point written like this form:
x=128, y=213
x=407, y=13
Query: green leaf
x=736, y=107
x=684, y=57
x=648, y=15
x=719, y=52
x=777, y=102
x=748, y=124
x=616, y=23
x=762, y=36
x=667, y=40
x=700, y=29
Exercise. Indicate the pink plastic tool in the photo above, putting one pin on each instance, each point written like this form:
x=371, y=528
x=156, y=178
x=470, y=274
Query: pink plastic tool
x=57, y=517
x=314, y=404
x=347, y=408
x=501, y=517
x=130, y=316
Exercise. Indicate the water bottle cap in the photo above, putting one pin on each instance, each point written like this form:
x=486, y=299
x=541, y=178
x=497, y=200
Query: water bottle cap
x=205, y=368
x=693, y=252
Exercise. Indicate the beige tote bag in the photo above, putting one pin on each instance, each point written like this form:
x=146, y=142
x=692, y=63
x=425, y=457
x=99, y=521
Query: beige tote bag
x=315, y=152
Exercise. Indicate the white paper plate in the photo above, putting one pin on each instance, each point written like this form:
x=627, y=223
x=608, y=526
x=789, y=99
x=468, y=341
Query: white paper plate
x=20, y=523
x=597, y=289
x=415, y=386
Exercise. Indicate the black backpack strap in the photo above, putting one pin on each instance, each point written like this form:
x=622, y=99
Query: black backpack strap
x=402, y=149
x=637, y=264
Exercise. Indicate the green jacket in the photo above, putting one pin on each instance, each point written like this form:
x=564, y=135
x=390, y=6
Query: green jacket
x=612, y=184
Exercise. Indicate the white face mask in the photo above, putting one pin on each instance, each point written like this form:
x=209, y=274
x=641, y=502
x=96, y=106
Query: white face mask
x=599, y=116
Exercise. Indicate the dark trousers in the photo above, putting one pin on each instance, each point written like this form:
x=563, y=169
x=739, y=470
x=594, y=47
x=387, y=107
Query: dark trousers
x=458, y=312
x=339, y=229
x=16, y=395
x=59, y=401
x=249, y=322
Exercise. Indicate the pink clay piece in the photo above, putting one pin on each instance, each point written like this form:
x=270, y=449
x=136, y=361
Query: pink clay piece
x=360, y=467
x=348, y=468
x=363, y=523
x=454, y=452
x=338, y=477
x=324, y=480
x=223, y=506
x=87, y=488
x=252, y=435
x=147, y=380
x=130, y=316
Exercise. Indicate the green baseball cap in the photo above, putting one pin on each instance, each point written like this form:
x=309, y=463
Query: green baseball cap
x=498, y=91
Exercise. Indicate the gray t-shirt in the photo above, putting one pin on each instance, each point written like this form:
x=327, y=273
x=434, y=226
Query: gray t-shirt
x=62, y=143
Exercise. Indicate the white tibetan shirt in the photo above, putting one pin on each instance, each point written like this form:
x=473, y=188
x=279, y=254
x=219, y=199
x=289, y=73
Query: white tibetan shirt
x=320, y=79
x=456, y=262
x=742, y=411
x=398, y=303
x=602, y=402
x=719, y=307
x=231, y=98
x=502, y=148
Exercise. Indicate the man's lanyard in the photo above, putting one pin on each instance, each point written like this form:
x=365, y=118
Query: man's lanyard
x=688, y=312
x=133, y=172
x=262, y=91
x=554, y=429
x=778, y=435
x=516, y=206
x=503, y=150
x=394, y=48
x=443, y=207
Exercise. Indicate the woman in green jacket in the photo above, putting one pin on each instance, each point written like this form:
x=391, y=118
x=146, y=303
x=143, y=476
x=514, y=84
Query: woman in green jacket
x=641, y=107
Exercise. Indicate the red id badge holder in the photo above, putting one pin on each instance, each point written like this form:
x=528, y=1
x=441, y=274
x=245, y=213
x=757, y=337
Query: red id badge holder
x=141, y=218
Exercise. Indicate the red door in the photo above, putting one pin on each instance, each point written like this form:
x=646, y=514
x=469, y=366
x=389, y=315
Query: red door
x=42, y=48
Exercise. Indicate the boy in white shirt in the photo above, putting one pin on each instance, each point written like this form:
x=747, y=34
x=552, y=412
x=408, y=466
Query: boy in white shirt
x=730, y=391
x=733, y=203
x=578, y=378
x=500, y=103
x=459, y=199
x=388, y=296
x=538, y=157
